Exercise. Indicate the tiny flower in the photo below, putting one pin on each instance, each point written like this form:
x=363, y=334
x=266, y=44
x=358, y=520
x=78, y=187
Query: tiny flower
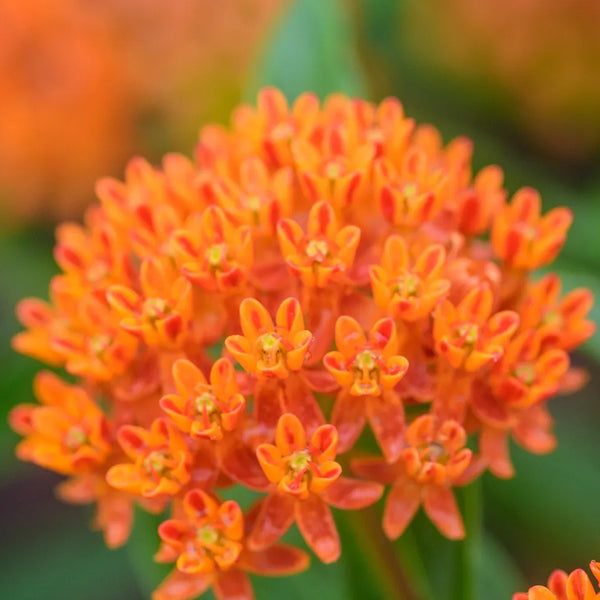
x=159, y=315
x=367, y=370
x=563, y=586
x=212, y=252
x=308, y=479
x=434, y=457
x=523, y=238
x=468, y=335
x=67, y=434
x=209, y=548
x=562, y=322
x=412, y=194
x=270, y=350
x=161, y=460
x=408, y=291
x=202, y=409
x=324, y=253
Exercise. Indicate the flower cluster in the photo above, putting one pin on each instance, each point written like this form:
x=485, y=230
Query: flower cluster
x=575, y=586
x=315, y=271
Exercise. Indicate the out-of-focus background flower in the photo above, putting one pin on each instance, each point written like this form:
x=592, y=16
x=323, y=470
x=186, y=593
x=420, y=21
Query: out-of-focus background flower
x=85, y=84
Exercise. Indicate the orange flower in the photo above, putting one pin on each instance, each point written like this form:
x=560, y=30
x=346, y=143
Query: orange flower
x=468, y=336
x=270, y=350
x=526, y=375
x=367, y=371
x=408, y=292
x=325, y=252
x=201, y=409
x=161, y=314
x=434, y=458
x=308, y=479
x=575, y=586
x=523, y=238
x=161, y=460
x=68, y=434
x=212, y=252
x=562, y=322
x=208, y=544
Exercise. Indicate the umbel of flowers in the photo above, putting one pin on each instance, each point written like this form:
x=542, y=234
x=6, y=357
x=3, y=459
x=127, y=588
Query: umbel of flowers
x=316, y=271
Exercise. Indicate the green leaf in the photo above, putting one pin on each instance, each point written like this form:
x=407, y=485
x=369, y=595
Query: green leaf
x=310, y=50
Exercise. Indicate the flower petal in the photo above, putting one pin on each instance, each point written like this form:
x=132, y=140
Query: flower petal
x=277, y=560
x=182, y=586
x=289, y=316
x=290, y=436
x=352, y=494
x=401, y=506
x=348, y=417
x=274, y=518
x=186, y=376
x=386, y=416
x=240, y=463
x=316, y=524
x=349, y=336
x=254, y=319
x=440, y=505
x=233, y=584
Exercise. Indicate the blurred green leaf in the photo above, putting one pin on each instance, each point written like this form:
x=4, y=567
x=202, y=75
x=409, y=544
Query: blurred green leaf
x=312, y=49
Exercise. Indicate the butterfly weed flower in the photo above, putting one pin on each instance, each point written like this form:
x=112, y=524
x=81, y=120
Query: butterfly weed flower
x=238, y=317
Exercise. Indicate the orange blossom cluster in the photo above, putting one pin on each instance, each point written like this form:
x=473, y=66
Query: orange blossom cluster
x=314, y=273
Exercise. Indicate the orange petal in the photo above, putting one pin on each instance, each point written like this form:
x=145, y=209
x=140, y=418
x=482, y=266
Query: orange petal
x=316, y=524
x=579, y=586
x=376, y=469
x=401, y=506
x=186, y=376
x=335, y=363
x=240, y=463
x=386, y=416
x=322, y=221
x=348, y=417
x=349, y=336
x=289, y=316
x=125, y=477
x=395, y=255
x=274, y=518
x=182, y=586
x=275, y=561
x=271, y=462
x=233, y=584
x=290, y=435
x=352, y=494
x=254, y=319
x=440, y=505
x=300, y=401
x=198, y=505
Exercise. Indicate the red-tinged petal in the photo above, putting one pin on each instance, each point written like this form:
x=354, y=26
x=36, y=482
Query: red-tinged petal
x=186, y=376
x=232, y=519
x=324, y=442
x=289, y=316
x=376, y=469
x=595, y=569
x=199, y=505
x=125, y=477
x=222, y=378
x=295, y=357
x=420, y=431
x=493, y=446
x=440, y=505
x=122, y=299
x=526, y=205
x=502, y=325
x=396, y=368
x=348, y=417
x=347, y=240
x=19, y=418
x=240, y=463
x=182, y=586
x=335, y=363
x=289, y=234
x=173, y=532
x=320, y=381
x=316, y=524
x=267, y=405
x=431, y=261
x=275, y=561
x=383, y=336
x=271, y=462
x=477, y=304
x=324, y=475
x=386, y=416
x=300, y=401
x=352, y=494
x=579, y=586
x=321, y=220
x=401, y=506
x=290, y=435
x=114, y=517
x=233, y=584
x=349, y=336
x=254, y=319
x=557, y=583
x=241, y=349
x=274, y=518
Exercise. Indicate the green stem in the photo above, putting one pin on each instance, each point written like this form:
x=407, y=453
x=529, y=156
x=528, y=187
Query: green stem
x=469, y=549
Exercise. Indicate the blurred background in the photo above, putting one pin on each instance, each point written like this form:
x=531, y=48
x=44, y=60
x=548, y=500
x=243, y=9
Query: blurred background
x=85, y=84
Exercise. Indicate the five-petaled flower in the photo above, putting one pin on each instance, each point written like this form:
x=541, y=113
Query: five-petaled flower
x=209, y=548
x=308, y=480
x=434, y=457
x=367, y=371
x=160, y=460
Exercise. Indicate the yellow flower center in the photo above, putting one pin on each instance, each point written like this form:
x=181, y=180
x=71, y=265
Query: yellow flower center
x=317, y=250
x=208, y=536
x=366, y=368
x=216, y=255
x=156, y=308
x=205, y=402
x=407, y=285
x=525, y=372
x=76, y=437
x=155, y=462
